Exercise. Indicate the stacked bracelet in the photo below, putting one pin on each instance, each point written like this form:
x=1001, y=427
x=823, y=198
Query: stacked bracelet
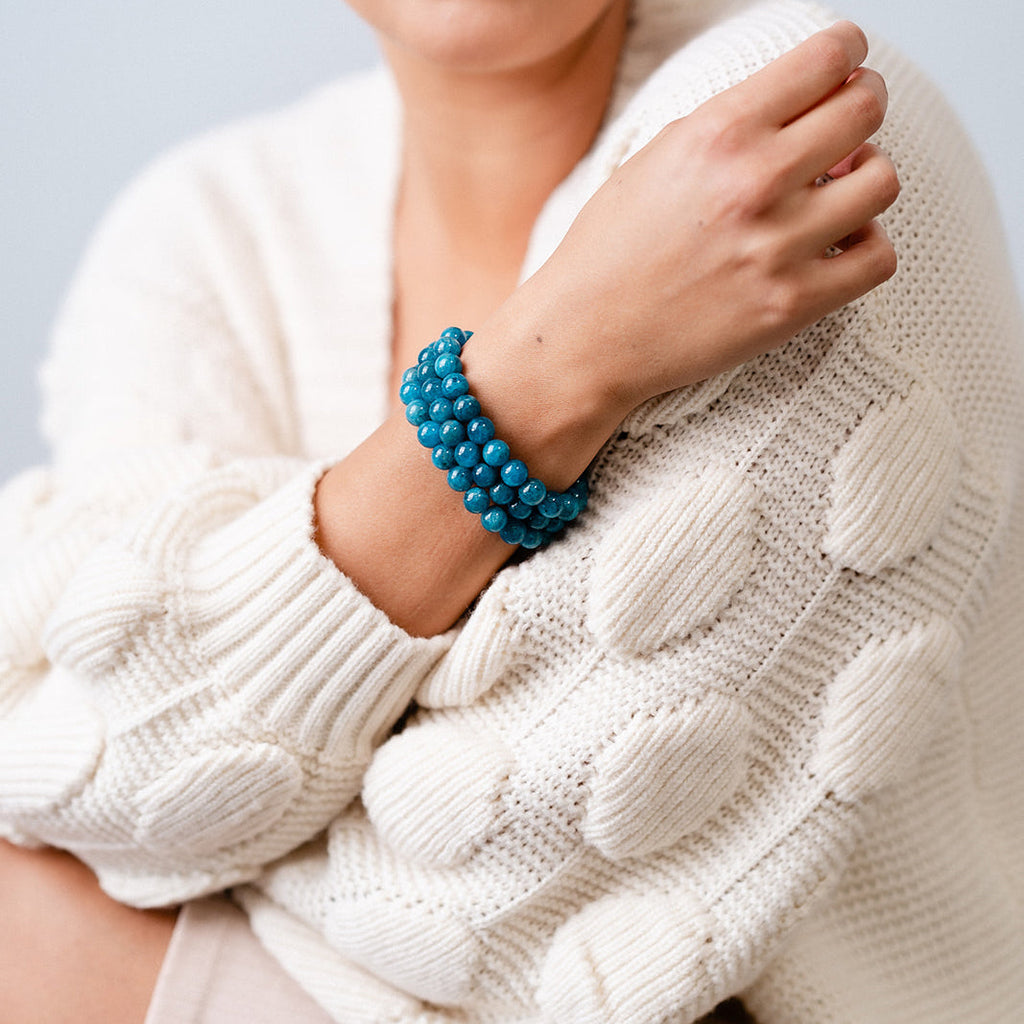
x=495, y=486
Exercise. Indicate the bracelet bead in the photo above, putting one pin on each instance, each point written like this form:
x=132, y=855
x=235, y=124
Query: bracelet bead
x=495, y=453
x=480, y=430
x=484, y=475
x=447, y=363
x=454, y=385
x=416, y=411
x=502, y=494
x=477, y=500
x=520, y=510
x=514, y=473
x=429, y=433
x=533, y=492
x=430, y=390
x=459, y=478
x=467, y=454
x=465, y=408
x=513, y=532
x=495, y=486
x=452, y=432
x=443, y=457
x=532, y=538
x=440, y=410
x=409, y=391
x=456, y=334
x=549, y=506
x=494, y=520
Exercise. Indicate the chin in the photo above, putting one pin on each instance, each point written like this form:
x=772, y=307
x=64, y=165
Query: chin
x=483, y=35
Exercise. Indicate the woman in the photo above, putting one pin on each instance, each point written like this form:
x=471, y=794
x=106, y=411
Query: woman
x=724, y=734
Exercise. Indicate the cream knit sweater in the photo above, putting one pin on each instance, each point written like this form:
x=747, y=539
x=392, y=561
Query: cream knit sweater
x=753, y=725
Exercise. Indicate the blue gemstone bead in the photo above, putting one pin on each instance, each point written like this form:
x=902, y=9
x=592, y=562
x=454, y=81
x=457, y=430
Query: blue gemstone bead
x=467, y=454
x=568, y=507
x=447, y=363
x=502, y=494
x=549, y=506
x=538, y=521
x=417, y=411
x=410, y=375
x=443, y=345
x=520, y=510
x=429, y=434
x=443, y=457
x=466, y=407
x=460, y=478
x=453, y=385
x=484, y=475
x=408, y=391
x=496, y=453
x=512, y=532
x=440, y=410
x=425, y=354
x=425, y=371
x=476, y=500
x=452, y=432
x=455, y=334
x=555, y=526
x=532, y=538
x=581, y=489
x=533, y=492
x=515, y=473
x=480, y=430
x=430, y=390
x=494, y=520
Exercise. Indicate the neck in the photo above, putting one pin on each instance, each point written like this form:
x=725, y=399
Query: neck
x=483, y=150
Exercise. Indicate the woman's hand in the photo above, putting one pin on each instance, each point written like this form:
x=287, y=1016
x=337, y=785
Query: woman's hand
x=709, y=246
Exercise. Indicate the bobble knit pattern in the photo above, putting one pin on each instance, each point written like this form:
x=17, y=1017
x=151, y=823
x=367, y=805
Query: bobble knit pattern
x=752, y=726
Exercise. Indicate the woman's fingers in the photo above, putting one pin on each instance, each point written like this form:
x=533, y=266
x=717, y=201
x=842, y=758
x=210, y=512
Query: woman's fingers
x=803, y=77
x=839, y=209
x=867, y=260
x=835, y=127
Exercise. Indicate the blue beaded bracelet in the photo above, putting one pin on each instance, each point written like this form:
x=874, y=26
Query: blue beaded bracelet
x=494, y=486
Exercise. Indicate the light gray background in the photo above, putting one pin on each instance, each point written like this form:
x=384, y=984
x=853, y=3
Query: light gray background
x=89, y=91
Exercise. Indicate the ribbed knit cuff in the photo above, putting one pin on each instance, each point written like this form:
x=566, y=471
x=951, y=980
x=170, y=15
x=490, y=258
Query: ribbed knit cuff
x=309, y=656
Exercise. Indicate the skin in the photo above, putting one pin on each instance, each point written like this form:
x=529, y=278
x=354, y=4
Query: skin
x=742, y=262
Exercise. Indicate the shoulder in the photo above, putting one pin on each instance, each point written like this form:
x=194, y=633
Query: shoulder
x=677, y=61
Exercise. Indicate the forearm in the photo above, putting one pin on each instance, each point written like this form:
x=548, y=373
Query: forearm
x=385, y=514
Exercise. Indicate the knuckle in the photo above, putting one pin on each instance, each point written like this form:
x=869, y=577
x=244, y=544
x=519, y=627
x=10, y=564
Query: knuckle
x=868, y=103
x=720, y=131
x=886, y=262
x=783, y=303
x=887, y=186
x=746, y=197
x=831, y=53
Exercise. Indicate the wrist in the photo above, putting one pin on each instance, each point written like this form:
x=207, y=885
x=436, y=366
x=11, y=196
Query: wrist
x=533, y=379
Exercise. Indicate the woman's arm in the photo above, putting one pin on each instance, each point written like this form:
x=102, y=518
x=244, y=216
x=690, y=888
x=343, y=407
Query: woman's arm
x=717, y=225
x=207, y=688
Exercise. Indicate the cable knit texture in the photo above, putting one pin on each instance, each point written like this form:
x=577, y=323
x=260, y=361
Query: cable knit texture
x=752, y=726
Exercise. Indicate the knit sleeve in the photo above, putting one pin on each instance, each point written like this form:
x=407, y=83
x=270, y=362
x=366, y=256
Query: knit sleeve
x=188, y=687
